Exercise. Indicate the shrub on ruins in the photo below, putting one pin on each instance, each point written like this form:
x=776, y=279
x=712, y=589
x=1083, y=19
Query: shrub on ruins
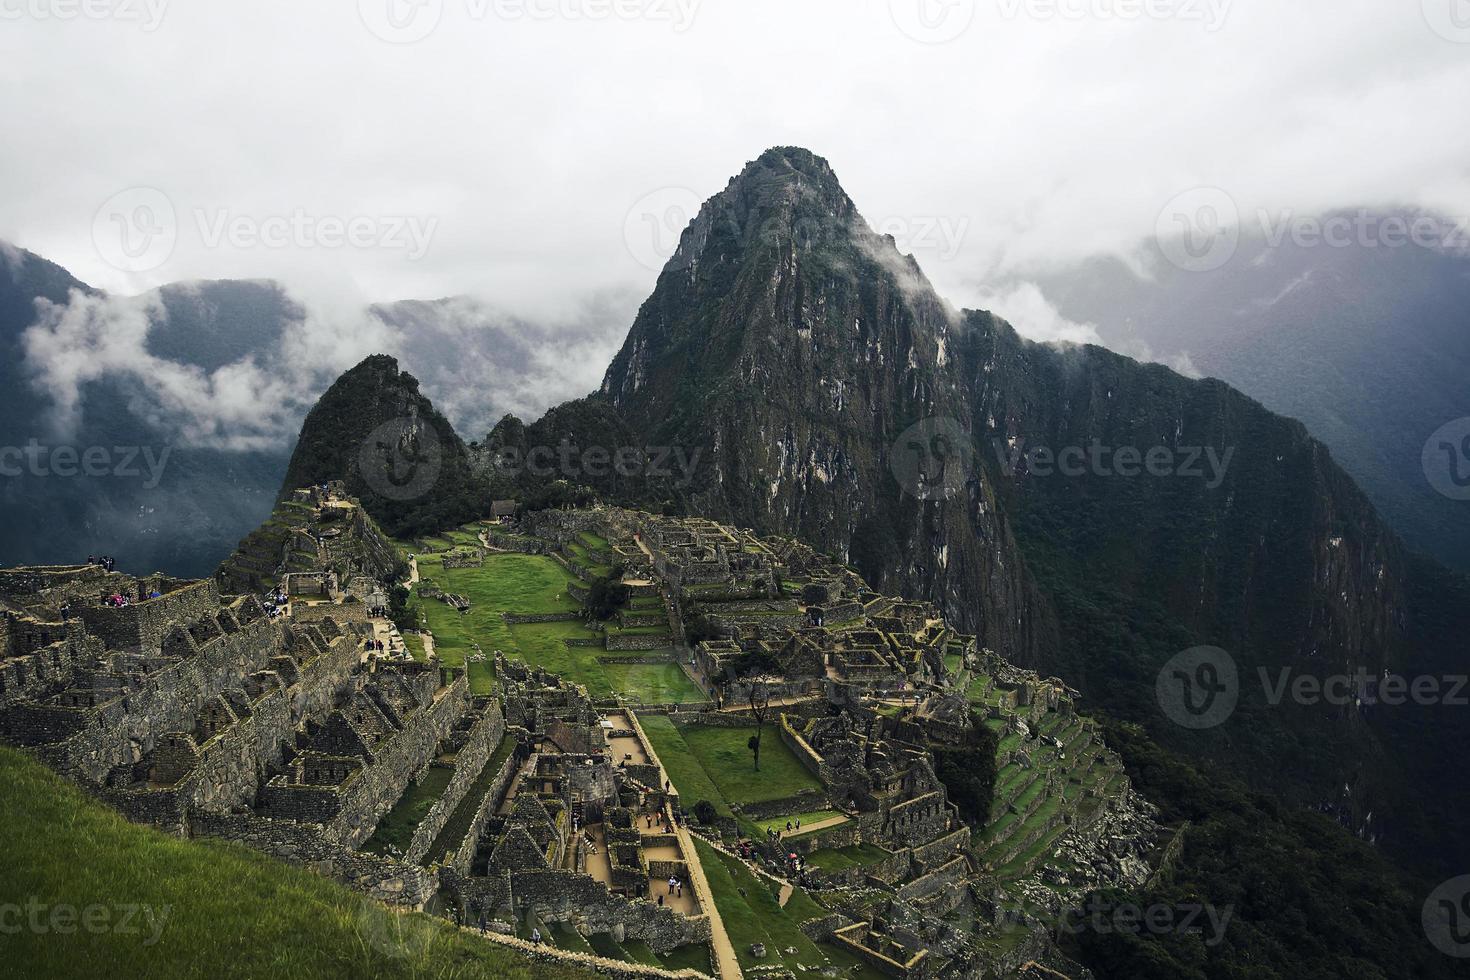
x=968, y=770
x=607, y=595
x=398, y=610
x=705, y=813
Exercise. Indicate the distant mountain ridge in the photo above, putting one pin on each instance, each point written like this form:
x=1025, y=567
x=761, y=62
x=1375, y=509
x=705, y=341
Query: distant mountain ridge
x=214, y=379
x=1367, y=343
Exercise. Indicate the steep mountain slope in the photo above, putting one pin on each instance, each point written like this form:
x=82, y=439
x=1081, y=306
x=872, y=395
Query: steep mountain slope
x=796, y=349
x=1366, y=343
x=792, y=347
x=373, y=430
x=151, y=501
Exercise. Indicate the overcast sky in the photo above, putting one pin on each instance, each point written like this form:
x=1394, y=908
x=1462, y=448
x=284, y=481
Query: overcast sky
x=527, y=151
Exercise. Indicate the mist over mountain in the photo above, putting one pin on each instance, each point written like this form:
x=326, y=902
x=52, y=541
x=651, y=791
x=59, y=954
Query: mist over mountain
x=1366, y=341
x=195, y=393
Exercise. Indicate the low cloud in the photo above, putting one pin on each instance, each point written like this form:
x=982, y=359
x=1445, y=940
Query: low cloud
x=474, y=361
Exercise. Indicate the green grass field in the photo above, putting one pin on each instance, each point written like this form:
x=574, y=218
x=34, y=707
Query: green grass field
x=807, y=819
x=684, y=770
x=724, y=755
x=214, y=908
x=532, y=584
x=842, y=858
x=751, y=913
x=714, y=764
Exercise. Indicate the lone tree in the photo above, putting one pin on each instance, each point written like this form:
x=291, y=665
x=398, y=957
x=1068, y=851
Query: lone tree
x=758, y=693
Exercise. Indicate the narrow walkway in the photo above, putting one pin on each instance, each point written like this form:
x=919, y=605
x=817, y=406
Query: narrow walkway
x=819, y=825
x=725, y=960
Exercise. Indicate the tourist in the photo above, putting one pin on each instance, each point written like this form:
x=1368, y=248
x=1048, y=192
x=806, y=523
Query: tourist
x=788, y=826
x=672, y=882
x=482, y=923
x=798, y=823
x=536, y=935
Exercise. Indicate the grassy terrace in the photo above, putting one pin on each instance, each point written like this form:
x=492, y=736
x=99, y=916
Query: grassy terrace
x=459, y=821
x=395, y=830
x=692, y=957
x=714, y=764
x=807, y=819
x=531, y=584
x=222, y=910
x=842, y=858
x=751, y=913
x=684, y=770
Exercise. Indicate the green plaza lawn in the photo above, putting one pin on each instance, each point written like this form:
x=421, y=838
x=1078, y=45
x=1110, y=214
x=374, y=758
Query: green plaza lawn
x=708, y=763
x=533, y=584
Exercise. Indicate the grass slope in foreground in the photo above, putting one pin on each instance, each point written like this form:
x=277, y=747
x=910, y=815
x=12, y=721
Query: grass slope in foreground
x=219, y=909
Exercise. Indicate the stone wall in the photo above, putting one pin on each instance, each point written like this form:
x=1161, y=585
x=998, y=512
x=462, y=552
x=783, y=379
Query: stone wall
x=142, y=625
x=462, y=855
x=588, y=905
x=88, y=743
x=483, y=739
x=382, y=878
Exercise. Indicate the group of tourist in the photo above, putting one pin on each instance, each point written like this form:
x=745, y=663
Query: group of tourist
x=105, y=562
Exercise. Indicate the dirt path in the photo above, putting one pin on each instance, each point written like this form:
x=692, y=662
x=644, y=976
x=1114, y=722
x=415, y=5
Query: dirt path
x=819, y=825
x=775, y=703
x=725, y=960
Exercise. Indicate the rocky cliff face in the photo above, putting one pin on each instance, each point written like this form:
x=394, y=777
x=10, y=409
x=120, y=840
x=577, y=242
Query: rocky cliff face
x=792, y=347
x=835, y=397
x=377, y=433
